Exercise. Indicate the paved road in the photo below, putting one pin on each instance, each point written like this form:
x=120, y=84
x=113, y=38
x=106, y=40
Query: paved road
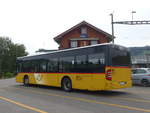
x=15, y=98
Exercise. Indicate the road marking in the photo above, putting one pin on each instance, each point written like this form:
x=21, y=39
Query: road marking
x=89, y=101
x=132, y=99
x=133, y=91
x=22, y=105
x=137, y=92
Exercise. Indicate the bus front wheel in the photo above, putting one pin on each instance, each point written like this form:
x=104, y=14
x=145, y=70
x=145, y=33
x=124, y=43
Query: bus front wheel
x=66, y=84
x=26, y=80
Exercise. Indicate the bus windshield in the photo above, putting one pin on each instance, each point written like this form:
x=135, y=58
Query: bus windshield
x=120, y=56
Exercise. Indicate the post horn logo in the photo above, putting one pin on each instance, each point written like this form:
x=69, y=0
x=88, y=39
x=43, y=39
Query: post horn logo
x=39, y=77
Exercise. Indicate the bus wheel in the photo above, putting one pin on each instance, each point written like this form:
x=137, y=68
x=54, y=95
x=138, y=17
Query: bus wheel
x=26, y=80
x=145, y=83
x=66, y=84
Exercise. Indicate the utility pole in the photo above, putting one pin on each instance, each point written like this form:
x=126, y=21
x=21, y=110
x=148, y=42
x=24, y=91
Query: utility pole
x=112, y=27
x=132, y=22
x=132, y=14
x=143, y=22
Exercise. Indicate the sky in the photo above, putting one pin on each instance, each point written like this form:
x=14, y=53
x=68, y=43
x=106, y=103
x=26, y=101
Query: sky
x=35, y=23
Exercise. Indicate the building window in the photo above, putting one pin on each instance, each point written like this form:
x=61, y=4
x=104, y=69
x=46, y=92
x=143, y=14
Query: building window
x=93, y=42
x=74, y=44
x=83, y=32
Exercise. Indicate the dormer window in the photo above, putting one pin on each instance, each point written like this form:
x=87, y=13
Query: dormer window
x=83, y=32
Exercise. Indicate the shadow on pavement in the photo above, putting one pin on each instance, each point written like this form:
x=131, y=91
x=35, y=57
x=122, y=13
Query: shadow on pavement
x=103, y=93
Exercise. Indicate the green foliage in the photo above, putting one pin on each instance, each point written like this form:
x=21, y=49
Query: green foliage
x=8, y=54
x=7, y=75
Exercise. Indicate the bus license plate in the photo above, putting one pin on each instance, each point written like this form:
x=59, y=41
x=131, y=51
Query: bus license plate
x=122, y=83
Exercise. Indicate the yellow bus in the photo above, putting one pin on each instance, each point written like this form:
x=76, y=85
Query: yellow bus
x=95, y=67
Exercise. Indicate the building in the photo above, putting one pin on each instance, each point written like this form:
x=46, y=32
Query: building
x=141, y=61
x=82, y=34
x=140, y=56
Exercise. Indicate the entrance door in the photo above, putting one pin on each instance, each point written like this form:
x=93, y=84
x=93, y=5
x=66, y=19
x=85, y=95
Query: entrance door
x=83, y=43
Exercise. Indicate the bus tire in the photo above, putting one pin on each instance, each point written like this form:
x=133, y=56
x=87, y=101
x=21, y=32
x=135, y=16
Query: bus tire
x=145, y=83
x=26, y=80
x=66, y=84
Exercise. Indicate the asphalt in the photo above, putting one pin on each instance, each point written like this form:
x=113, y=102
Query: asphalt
x=16, y=98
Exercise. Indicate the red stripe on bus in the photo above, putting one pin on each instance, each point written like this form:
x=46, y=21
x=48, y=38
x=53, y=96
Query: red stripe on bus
x=61, y=73
x=117, y=67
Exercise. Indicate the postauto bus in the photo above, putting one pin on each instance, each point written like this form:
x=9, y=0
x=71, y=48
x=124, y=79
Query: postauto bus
x=95, y=67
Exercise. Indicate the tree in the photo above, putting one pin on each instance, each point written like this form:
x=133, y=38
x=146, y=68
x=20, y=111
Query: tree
x=8, y=54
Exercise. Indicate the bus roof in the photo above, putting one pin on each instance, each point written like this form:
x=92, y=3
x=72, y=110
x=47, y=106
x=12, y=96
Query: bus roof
x=19, y=58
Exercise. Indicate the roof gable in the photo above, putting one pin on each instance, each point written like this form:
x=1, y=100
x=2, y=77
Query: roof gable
x=57, y=38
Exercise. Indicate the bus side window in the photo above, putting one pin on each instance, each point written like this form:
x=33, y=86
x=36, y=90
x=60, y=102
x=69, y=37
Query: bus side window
x=81, y=63
x=49, y=66
x=96, y=62
x=66, y=64
x=19, y=67
x=36, y=66
x=52, y=65
x=25, y=67
x=43, y=66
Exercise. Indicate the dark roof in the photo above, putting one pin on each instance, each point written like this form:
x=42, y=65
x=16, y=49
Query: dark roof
x=57, y=38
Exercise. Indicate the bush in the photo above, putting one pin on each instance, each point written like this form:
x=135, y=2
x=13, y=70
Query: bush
x=7, y=75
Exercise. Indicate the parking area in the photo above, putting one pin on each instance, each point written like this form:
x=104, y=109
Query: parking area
x=15, y=97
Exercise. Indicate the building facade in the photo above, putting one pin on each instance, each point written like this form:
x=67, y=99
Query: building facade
x=140, y=56
x=82, y=34
x=141, y=61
